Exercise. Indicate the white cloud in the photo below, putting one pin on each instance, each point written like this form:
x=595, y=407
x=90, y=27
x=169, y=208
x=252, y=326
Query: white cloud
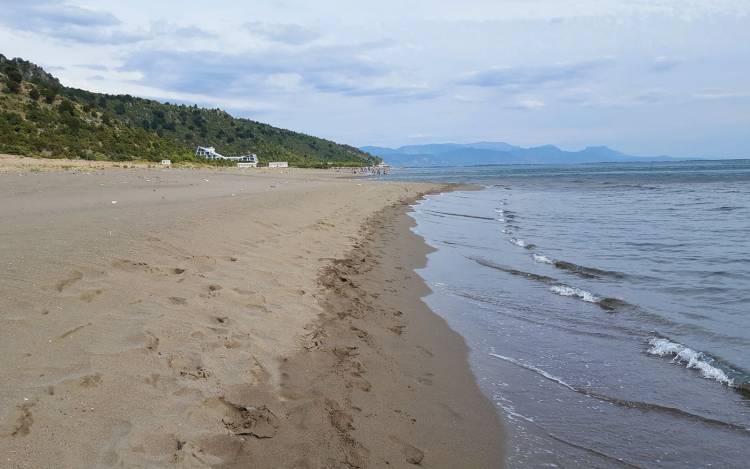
x=658, y=72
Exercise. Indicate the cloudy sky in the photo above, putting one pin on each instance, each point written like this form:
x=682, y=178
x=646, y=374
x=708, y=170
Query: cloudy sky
x=647, y=77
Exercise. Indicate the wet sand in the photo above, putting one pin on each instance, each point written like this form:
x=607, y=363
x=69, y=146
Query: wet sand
x=199, y=318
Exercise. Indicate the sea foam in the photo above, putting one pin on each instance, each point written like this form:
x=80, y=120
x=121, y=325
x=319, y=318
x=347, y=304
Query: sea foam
x=543, y=259
x=518, y=242
x=565, y=290
x=688, y=357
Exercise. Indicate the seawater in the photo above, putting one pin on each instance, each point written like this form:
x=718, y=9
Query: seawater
x=607, y=307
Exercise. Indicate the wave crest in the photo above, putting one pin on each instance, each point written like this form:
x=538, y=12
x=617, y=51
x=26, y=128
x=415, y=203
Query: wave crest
x=690, y=358
x=564, y=290
x=543, y=259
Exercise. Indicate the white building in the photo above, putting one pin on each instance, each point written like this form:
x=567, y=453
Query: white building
x=251, y=158
x=210, y=153
x=278, y=164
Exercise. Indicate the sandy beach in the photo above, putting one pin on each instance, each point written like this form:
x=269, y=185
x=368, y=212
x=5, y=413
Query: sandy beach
x=225, y=318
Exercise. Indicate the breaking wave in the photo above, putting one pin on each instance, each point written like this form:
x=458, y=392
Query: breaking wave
x=605, y=303
x=691, y=359
x=543, y=259
x=518, y=242
x=521, y=243
x=564, y=290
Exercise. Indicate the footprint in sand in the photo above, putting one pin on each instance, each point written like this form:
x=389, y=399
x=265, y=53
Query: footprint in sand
x=213, y=290
x=24, y=421
x=258, y=422
x=152, y=380
x=412, y=454
x=426, y=379
x=398, y=330
x=91, y=381
x=189, y=366
x=197, y=373
x=89, y=296
x=152, y=342
x=134, y=266
x=203, y=263
x=176, y=300
x=66, y=282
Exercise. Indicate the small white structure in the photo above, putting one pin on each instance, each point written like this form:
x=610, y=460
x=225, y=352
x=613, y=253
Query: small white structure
x=251, y=159
x=278, y=164
x=247, y=165
x=166, y=162
x=210, y=153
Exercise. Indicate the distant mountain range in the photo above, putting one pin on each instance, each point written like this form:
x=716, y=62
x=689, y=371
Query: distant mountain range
x=487, y=153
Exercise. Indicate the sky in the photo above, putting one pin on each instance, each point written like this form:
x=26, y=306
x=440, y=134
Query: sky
x=646, y=77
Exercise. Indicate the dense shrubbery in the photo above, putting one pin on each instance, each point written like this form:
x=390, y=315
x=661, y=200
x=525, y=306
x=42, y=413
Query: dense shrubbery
x=40, y=117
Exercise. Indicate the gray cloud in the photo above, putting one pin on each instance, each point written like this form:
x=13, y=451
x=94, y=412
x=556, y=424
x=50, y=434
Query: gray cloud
x=328, y=69
x=523, y=78
x=56, y=19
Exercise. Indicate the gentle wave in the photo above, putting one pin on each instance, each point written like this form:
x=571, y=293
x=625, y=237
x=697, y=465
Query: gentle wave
x=580, y=270
x=643, y=406
x=543, y=259
x=725, y=208
x=518, y=242
x=606, y=303
x=512, y=271
x=521, y=243
x=694, y=360
x=564, y=290
x=587, y=272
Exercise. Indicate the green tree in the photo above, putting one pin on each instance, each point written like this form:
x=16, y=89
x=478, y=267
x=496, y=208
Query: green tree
x=66, y=107
x=49, y=94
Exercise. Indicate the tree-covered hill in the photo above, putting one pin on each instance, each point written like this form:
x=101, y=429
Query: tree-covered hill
x=41, y=117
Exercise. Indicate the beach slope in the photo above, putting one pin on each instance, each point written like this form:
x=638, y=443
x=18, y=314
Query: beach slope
x=205, y=318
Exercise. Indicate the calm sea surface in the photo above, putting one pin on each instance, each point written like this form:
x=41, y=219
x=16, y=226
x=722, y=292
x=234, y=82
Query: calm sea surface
x=607, y=306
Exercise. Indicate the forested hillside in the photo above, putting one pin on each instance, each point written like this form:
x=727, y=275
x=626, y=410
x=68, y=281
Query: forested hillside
x=41, y=117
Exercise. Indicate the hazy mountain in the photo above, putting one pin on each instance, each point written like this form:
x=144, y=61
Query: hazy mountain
x=486, y=153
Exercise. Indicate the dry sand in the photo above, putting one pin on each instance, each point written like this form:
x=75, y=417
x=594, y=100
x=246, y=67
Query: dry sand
x=196, y=318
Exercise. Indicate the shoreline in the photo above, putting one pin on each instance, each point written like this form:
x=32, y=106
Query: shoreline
x=423, y=407
x=134, y=336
